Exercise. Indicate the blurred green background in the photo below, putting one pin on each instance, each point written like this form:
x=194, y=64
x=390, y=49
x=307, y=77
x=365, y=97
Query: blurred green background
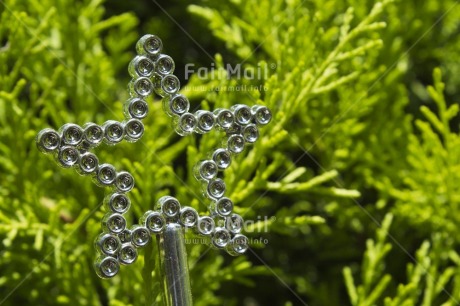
x=360, y=167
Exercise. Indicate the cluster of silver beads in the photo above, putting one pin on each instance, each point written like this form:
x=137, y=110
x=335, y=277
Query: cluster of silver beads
x=241, y=125
x=71, y=145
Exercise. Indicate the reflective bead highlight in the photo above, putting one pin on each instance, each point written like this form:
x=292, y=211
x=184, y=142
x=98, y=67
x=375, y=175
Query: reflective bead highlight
x=149, y=44
x=220, y=237
x=134, y=129
x=222, y=207
x=205, y=170
x=165, y=85
x=176, y=105
x=164, y=64
x=87, y=163
x=72, y=134
x=222, y=158
x=114, y=223
x=141, y=66
x=235, y=144
x=106, y=266
x=117, y=202
x=68, y=156
x=127, y=254
x=124, y=181
x=105, y=175
x=48, y=140
x=113, y=132
x=242, y=114
x=234, y=223
x=154, y=222
x=205, y=121
x=205, y=225
x=238, y=245
x=93, y=134
x=108, y=244
x=169, y=206
x=140, y=236
x=170, y=84
x=262, y=114
x=224, y=118
x=188, y=217
x=141, y=87
x=215, y=189
x=185, y=124
x=136, y=108
x=250, y=133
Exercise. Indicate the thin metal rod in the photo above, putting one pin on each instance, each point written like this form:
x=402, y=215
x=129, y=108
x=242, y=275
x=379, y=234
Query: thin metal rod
x=173, y=266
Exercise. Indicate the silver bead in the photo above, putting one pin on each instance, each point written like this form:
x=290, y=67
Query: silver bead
x=167, y=85
x=141, y=66
x=105, y=175
x=153, y=221
x=222, y=207
x=67, y=156
x=188, y=217
x=114, y=223
x=134, y=129
x=170, y=84
x=224, y=118
x=87, y=163
x=106, y=266
x=205, y=121
x=124, y=181
x=169, y=207
x=262, y=114
x=136, y=108
x=205, y=225
x=140, y=236
x=205, y=170
x=215, y=189
x=238, y=245
x=108, y=244
x=235, y=144
x=220, y=237
x=117, y=202
x=149, y=44
x=113, y=132
x=222, y=158
x=93, y=134
x=127, y=254
x=164, y=64
x=234, y=223
x=176, y=105
x=242, y=114
x=71, y=134
x=250, y=133
x=48, y=140
x=141, y=87
x=185, y=124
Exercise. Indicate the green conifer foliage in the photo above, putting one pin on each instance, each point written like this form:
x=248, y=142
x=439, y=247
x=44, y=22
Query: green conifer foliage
x=357, y=175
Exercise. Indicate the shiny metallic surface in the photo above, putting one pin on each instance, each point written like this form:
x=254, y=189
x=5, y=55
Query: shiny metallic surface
x=173, y=267
x=134, y=130
x=149, y=44
x=93, y=134
x=176, y=105
x=48, y=140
